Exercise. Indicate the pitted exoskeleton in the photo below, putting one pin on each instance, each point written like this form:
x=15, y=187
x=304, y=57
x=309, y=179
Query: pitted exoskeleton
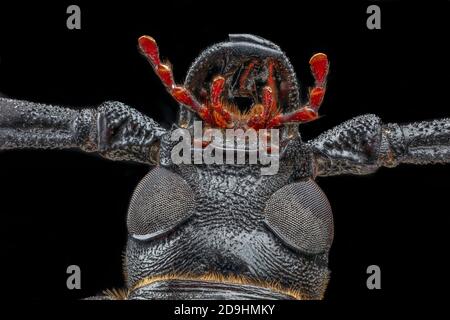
x=226, y=231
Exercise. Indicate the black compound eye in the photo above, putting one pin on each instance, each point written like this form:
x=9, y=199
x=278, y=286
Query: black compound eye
x=161, y=201
x=301, y=216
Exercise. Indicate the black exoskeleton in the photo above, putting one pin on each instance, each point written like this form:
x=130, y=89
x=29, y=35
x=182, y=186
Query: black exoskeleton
x=212, y=231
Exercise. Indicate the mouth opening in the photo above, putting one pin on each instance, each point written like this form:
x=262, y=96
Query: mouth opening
x=244, y=104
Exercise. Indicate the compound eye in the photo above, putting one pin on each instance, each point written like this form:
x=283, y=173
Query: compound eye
x=300, y=215
x=161, y=201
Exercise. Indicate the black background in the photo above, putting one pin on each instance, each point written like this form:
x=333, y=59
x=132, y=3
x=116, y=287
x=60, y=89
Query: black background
x=63, y=207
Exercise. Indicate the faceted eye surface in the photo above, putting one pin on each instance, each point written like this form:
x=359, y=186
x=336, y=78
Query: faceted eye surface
x=161, y=201
x=301, y=216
